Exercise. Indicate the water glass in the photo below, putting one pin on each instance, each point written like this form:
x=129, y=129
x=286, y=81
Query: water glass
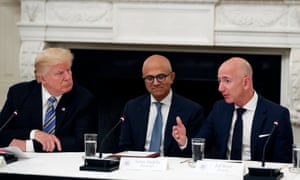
x=198, y=145
x=90, y=144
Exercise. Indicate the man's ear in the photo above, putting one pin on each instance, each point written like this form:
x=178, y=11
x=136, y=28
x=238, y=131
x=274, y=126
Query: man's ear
x=173, y=75
x=246, y=82
x=41, y=79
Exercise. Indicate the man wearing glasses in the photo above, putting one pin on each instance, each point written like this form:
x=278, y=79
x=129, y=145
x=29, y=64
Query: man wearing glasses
x=151, y=120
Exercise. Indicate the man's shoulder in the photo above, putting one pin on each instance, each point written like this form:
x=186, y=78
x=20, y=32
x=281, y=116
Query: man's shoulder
x=81, y=90
x=186, y=101
x=139, y=98
x=270, y=104
x=221, y=104
x=138, y=103
x=24, y=85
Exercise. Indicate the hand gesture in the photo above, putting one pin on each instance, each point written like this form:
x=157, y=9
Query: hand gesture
x=179, y=132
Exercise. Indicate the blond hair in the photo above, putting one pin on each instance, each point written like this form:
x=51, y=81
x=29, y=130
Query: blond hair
x=50, y=57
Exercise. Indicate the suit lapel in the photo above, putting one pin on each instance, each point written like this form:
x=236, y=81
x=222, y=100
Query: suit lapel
x=258, y=122
x=141, y=119
x=62, y=109
x=144, y=111
x=175, y=109
x=225, y=127
x=35, y=102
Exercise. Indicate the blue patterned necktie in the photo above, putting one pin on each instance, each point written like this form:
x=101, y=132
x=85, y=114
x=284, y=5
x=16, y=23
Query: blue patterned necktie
x=49, y=122
x=157, y=130
x=237, y=137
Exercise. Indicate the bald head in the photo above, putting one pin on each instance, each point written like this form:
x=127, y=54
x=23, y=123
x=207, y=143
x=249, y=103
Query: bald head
x=159, y=68
x=157, y=62
x=241, y=65
x=235, y=81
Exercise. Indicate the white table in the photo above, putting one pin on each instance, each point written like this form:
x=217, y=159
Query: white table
x=67, y=165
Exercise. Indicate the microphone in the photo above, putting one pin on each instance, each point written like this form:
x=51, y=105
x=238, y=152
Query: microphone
x=99, y=164
x=15, y=113
x=262, y=173
x=275, y=124
x=122, y=119
x=8, y=156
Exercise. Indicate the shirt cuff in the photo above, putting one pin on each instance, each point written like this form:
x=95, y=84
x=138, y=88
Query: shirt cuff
x=32, y=133
x=29, y=146
x=185, y=145
x=29, y=143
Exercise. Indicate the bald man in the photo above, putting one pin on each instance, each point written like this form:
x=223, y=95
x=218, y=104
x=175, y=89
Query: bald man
x=140, y=113
x=236, y=86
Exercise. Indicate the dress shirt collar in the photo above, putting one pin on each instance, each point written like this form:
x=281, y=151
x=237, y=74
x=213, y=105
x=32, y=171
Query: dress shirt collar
x=250, y=105
x=46, y=95
x=166, y=101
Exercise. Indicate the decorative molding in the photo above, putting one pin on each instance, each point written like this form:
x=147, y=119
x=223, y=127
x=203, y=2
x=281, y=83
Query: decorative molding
x=250, y=24
x=252, y=16
x=78, y=13
x=295, y=17
x=28, y=52
x=33, y=11
x=294, y=105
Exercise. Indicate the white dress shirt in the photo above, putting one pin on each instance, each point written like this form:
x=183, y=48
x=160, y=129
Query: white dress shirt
x=166, y=103
x=247, y=117
x=45, y=97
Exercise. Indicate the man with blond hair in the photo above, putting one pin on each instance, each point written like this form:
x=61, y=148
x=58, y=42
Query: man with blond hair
x=53, y=112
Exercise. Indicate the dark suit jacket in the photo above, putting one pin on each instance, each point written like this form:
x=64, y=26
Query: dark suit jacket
x=76, y=114
x=216, y=130
x=134, y=128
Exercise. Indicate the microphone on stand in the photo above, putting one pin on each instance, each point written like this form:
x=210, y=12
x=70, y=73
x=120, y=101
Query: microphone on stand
x=263, y=161
x=107, y=164
x=8, y=156
x=265, y=173
x=122, y=119
x=15, y=113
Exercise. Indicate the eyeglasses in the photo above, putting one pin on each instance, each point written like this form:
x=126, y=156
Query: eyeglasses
x=159, y=78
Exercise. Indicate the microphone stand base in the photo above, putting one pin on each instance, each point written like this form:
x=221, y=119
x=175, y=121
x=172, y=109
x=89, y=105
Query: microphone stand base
x=263, y=174
x=9, y=157
x=105, y=165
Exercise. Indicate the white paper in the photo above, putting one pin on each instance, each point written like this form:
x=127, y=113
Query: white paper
x=16, y=151
x=135, y=153
x=2, y=161
x=221, y=167
x=129, y=163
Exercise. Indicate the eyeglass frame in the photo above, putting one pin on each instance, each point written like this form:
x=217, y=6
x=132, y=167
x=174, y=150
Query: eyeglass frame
x=160, y=77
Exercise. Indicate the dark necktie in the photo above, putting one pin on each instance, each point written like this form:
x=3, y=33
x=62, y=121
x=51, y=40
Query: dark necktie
x=237, y=137
x=49, y=122
x=157, y=130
